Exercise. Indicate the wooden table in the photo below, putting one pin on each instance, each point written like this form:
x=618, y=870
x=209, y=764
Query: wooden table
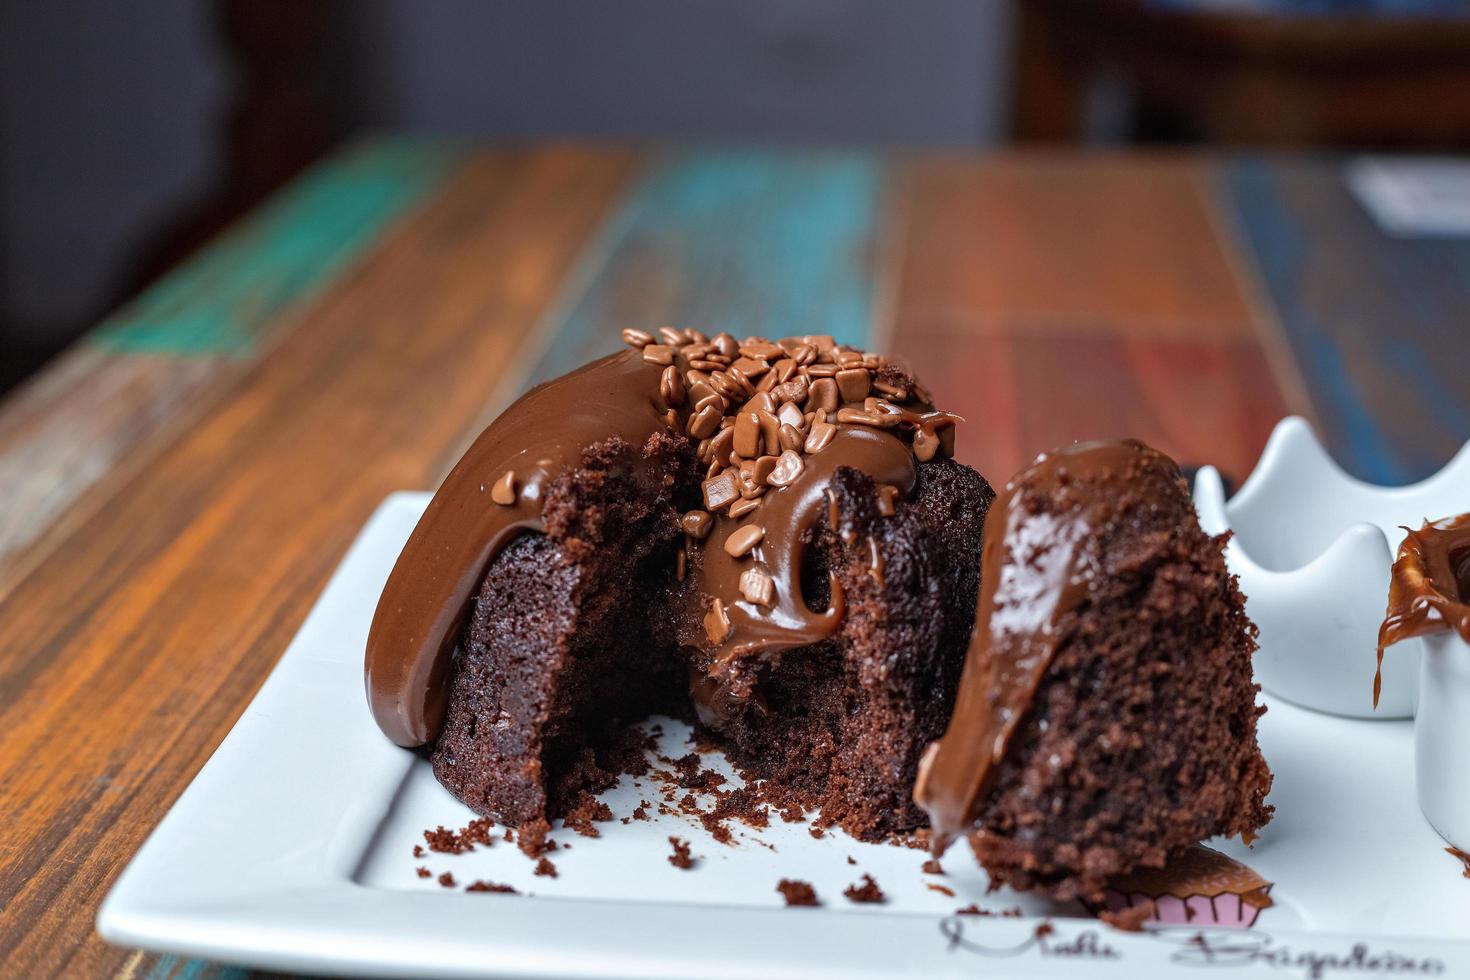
x=175, y=490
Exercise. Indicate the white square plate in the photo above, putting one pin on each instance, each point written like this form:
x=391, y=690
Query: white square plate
x=292, y=850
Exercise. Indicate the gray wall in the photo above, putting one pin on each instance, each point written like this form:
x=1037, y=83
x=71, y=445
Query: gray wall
x=108, y=111
x=106, y=120
x=869, y=71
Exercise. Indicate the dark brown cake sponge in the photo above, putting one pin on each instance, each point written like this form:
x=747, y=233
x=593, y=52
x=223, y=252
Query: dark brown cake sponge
x=575, y=635
x=554, y=662
x=847, y=720
x=1141, y=739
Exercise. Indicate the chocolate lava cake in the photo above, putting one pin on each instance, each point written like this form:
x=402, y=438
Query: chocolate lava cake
x=1107, y=717
x=767, y=537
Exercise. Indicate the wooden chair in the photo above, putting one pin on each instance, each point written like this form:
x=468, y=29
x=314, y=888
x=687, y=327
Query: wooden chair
x=1282, y=81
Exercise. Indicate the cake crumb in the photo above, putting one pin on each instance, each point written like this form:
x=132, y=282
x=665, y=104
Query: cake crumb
x=545, y=869
x=681, y=857
x=535, y=838
x=587, y=811
x=817, y=832
x=797, y=893
x=932, y=867
x=866, y=893
x=1130, y=919
x=941, y=889
x=418, y=850
x=851, y=859
x=490, y=886
x=424, y=872
x=689, y=774
x=447, y=880
x=444, y=841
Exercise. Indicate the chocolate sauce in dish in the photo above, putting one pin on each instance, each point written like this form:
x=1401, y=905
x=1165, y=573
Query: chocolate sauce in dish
x=1429, y=589
x=1035, y=568
x=771, y=421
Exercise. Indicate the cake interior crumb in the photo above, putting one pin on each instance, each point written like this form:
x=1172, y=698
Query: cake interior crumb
x=867, y=892
x=797, y=893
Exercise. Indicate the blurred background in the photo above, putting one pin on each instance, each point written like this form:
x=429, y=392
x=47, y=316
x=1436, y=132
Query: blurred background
x=131, y=133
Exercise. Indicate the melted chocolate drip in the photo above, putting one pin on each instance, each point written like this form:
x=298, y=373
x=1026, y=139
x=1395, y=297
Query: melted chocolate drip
x=1460, y=856
x=788, y=515
x=1429, y=590
x=496, y=492
x=1035, y=568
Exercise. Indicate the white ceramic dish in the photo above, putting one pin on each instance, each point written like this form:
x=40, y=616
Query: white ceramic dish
x=1442, y=736
x=292, y=850
x=1313, y=547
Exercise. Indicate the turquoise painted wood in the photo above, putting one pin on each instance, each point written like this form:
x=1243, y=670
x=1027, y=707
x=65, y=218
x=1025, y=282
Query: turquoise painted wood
x=752, y=243
x=172, y=968
x=1378, y=325
x=284, y=254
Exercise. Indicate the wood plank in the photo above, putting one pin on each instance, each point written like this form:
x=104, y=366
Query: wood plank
x=158, y=619
x=111, y=403
x=749, y=242
x=288, y=250
x=1066, y=242
x=91, y=420
x=1376, y=323
x=1022, y=394
x=753, y=243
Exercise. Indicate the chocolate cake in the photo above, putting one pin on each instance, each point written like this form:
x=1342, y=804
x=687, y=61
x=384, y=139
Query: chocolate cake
x=768, y=537
x=1106, y=718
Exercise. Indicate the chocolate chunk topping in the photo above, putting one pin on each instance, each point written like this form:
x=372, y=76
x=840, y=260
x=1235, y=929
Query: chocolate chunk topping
x=658, y=354
x=716, y=623
x=743, y=506
x=705, y=422
x=742, y=541
x=720, y=491
x=504, y=490
x=696, y=524
x=820, y=437
x=756, y=586
x=784, y=471
x=671, y=387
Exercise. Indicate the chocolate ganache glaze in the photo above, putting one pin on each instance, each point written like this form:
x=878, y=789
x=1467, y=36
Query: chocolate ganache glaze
x=1035, y=567
x=493, y=493
x=772, y=422
x=1429, y=589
